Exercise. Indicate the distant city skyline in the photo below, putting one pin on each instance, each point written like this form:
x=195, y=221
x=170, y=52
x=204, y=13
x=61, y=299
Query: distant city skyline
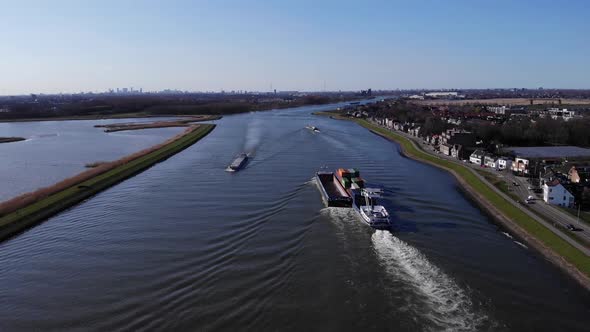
x=69, y=46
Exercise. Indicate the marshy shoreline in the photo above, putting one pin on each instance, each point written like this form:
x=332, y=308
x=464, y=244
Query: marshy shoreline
x=29, y=209
x=185, y=121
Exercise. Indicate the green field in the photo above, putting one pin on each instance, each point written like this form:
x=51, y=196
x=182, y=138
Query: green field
x=46, y=207
x=557, y=244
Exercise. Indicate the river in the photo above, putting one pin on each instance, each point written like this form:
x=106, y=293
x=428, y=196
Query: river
x=188, y=246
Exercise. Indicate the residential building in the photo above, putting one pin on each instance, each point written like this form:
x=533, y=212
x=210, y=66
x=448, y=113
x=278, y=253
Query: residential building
x=457, y=151
x=520, y=166
x=477, y=157
x=578, y=174
x=555, y=193
x=434, y=139
x=445, y=149
x=501, y=110
x=490, y=161
x=504, y=163
x=444, y=94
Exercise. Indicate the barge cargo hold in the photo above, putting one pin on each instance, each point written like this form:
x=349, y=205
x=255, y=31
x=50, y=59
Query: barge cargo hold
x=238, y=163
x=333, y=194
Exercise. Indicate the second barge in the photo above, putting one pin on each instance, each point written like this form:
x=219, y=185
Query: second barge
x=238, y=163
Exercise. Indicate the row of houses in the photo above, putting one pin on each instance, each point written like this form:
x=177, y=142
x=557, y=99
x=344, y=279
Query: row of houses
x=480, y=157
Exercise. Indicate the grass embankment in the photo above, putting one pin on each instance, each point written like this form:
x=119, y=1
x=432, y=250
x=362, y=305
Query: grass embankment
x=531, y=226
x=498, y=183
x=11, y=139
x=26, y=210
x=584, y=215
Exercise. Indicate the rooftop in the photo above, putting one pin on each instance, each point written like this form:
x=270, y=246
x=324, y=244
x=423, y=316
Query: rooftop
x=550, y=151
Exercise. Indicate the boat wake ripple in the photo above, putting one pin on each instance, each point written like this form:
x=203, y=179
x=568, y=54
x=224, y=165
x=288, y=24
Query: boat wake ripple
x=449, y=307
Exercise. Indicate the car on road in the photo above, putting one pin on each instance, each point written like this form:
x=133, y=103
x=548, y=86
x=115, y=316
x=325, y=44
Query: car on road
x=516, y=184
x=573, y=228
x=530, y=201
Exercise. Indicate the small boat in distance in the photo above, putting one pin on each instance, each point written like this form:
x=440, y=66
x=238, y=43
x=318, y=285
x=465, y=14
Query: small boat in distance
x=313, y=128
x=238, y=163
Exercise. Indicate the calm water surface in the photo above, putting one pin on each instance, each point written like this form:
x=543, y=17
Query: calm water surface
x=187, y=246
x=55, y=150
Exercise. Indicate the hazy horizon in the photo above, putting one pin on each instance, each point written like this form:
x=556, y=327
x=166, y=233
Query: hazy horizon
x=69, y=47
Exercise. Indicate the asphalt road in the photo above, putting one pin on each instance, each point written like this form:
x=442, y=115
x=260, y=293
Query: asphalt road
x=550, y=212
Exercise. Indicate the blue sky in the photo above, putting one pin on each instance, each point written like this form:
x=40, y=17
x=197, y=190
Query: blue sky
x=73, y=46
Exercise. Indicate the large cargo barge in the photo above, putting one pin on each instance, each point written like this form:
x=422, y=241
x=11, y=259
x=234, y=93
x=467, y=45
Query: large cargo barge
x=238, y=163
x=332, y=192
x=345, y=188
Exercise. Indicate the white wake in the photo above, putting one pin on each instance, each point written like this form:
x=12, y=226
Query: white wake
x=446, y=305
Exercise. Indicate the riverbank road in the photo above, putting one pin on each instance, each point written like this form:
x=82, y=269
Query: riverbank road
x=547, y=215
x=548, y=211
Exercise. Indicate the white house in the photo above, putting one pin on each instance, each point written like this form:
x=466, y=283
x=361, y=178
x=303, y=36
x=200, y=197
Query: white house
x=556, y=194
x=520, y=165
x=504, y=163
x=477, y=157
x=490, y=161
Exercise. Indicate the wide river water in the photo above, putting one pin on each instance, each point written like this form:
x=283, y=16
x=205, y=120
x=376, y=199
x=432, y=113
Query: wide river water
x=188, y=246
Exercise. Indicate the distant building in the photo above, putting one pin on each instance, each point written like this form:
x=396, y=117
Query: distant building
x=490, y=161
x=445, y=149
x=504, y=163
x=457, y=151
x=477, y=157
x=501, y=110
x=450, y=94
x=520, y=166
x=577, y=174
x=549, y=152
x=555, y=193
x=556, y=113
